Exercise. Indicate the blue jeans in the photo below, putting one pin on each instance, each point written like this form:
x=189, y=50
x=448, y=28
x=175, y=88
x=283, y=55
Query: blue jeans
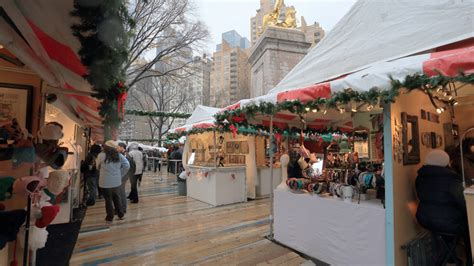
x=112, y=202
x=91, y=185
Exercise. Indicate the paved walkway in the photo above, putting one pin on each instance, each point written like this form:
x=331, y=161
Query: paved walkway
x=168, y=229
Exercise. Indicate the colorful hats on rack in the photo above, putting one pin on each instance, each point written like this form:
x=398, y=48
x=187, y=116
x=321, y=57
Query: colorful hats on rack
x=29, y=185
x=48, y=213
x=58, y=181
x=6, y=187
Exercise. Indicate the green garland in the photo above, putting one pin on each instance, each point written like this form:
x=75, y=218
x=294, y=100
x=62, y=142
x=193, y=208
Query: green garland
x=156, y=114
x=104, y=51
x=372, y=97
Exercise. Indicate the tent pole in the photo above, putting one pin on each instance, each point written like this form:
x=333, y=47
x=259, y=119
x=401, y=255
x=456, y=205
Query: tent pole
x=271, y=178
x=215, y=148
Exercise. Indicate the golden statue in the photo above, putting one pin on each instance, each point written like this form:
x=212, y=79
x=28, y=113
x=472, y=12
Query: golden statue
x=273, y=18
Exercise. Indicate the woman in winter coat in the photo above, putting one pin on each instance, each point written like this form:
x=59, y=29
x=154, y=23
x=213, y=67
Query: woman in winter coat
x=112, y=166
x=442, y=207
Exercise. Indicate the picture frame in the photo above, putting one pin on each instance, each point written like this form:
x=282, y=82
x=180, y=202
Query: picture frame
x=229, y=147
x=410, y=139
x=244, y=147
x=16, y=102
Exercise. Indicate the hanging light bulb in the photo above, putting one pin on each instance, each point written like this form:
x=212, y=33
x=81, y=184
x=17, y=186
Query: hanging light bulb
x=307, y=109
x=455, y=102
x=370, y=107
x=354, y=110
x=439, y=111
x=342, y=110
x=315, y=110
x=325, y=111
x=450, y=98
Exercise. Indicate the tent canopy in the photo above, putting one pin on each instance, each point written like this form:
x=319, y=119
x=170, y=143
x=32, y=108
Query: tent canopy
x=202, y=117
x=376, y=32
x=373, y=42
x=40, y=35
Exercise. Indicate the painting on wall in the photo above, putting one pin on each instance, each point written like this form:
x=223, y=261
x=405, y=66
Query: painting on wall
x=410, y=139
x=15, y=102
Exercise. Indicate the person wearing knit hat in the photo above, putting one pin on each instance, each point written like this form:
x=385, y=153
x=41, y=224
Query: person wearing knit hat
x=112, y=167
x=442, y=207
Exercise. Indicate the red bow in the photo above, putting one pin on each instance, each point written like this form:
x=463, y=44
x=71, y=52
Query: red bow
x=238, y=119
x=234, y=130
x=122, y=97
x=278, y=137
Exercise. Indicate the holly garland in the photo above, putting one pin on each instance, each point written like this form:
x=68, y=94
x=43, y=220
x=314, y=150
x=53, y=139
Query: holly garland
x=156, y=114
x=338, y=100
x=104, y=51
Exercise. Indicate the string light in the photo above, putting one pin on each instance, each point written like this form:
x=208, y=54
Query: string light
x=354, y=110
x=455, y=102
x=325, y=111
x=342, y=110
x=315, y=110
x=307, y=109
x=370, y=107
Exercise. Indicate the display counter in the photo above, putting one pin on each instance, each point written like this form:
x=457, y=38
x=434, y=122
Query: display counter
x=217, y=186
x=328, y=229
x=263, y=180
x=469, y=196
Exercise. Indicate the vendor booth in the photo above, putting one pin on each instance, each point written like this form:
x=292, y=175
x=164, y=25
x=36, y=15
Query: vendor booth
x=396, y=87
x=47, y=117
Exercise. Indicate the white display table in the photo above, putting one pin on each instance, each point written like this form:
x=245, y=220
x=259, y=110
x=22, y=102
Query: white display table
x=469, y=196
x=217, y=186
x=328, y=229
x=263, y=180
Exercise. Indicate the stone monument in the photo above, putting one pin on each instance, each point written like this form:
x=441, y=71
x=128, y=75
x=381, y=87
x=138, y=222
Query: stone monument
x=278, y=49
x=276, y=52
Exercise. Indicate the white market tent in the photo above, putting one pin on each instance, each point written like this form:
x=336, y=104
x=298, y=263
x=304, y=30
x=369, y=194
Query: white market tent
x=202, y=117
x=375, y=40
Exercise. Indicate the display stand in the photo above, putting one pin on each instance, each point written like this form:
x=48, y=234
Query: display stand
x=329, y=229
x=217, y=186
x=263, y=185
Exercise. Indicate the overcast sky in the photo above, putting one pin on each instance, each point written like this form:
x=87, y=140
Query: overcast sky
x=224, y=15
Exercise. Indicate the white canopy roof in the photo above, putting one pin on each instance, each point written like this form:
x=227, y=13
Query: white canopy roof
x=380, y=31
x=202, y=116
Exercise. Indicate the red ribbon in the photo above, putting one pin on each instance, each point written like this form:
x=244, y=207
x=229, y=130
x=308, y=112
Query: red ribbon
x=238, y=119
x=234, y=130
x=122, y=97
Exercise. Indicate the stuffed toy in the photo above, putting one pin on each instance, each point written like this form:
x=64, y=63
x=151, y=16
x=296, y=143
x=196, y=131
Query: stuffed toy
x=47, y=147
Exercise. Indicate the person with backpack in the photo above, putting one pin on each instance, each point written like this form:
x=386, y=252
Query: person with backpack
x=122, y=148
x=91, y=174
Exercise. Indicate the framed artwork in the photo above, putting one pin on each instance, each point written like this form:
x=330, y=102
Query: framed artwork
x=229, y=147
x=410, y=139
x=16, y=102
x=236, y=147
x=244, y=147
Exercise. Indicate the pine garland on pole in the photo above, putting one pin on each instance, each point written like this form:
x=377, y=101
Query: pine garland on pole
x=101, y=32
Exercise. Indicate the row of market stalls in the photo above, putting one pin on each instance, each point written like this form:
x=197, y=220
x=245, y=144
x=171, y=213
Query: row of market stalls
x=390, y=82
x=44, y=96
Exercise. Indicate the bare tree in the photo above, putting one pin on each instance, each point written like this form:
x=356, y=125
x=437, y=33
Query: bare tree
x=161, y=94
x=167, y=28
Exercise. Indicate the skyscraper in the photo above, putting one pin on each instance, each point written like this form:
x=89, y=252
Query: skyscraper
x=230, y=73
x=233, y=39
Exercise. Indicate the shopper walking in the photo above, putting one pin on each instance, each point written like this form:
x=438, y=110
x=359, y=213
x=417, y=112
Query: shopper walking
x=122, y=149
x=112, y=166
x=138, y=158
x=145, y=163
x=91, y=174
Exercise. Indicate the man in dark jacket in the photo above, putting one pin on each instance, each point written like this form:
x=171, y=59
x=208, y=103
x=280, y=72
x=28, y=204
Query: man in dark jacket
x=91, y=174
x=442, y=207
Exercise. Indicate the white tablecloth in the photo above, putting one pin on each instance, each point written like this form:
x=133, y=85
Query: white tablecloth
x=328, y=229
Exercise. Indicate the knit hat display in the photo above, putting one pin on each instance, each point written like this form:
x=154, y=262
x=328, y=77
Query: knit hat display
x=111, y=144
x=437, y=158
x=37, y=238
x=48, y=213
x=51, y=154
x=6, y=187
x=51, y=131
x=58, y=181
x=10, y=223
x=28, y=185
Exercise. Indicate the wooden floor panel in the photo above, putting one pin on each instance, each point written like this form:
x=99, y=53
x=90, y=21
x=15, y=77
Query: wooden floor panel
x=166, y=229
